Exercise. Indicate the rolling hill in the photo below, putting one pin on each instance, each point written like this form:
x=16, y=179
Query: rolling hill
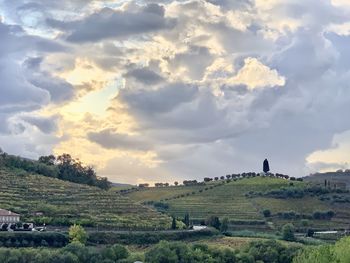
x=243, y=202
x=52, y=201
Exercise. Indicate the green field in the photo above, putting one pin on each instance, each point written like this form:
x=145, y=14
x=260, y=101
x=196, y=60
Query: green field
x=230, y=200
x=64, y=203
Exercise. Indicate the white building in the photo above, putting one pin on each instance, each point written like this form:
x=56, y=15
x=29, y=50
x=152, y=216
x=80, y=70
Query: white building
x=8, y=217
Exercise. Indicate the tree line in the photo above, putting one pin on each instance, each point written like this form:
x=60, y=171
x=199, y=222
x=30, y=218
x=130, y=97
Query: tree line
x=226, y=177
x=63, y=167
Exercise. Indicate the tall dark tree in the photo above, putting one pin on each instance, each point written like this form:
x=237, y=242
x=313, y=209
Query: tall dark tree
x=187, y=220
x=266, y=167
x=213, y=221
x=173, y=224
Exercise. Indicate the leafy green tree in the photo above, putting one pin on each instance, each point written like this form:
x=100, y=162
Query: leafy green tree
x=322, y=254
x=161, y=253
x=288, y=232
x=79, y=250
x=342, y=250
x=115, y=253
x=77, y=234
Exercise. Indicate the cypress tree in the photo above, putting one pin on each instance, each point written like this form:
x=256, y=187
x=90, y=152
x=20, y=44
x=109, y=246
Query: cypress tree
x=266, y=167
x=173, y=224
x=187, y=220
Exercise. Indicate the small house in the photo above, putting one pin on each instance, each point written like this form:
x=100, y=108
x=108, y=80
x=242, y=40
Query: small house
x=8, y=217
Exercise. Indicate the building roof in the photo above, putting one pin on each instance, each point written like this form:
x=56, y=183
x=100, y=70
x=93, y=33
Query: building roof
x=4, y=212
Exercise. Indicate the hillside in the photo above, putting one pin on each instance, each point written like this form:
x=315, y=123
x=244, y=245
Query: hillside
x=333, y=177
x=43, y=199
x=243, y=202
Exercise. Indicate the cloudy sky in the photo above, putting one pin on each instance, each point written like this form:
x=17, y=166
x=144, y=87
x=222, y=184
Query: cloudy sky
x=169, y=90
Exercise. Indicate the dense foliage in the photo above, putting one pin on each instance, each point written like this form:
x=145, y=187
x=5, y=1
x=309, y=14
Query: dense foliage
x=77, y=234
x=142, y=238
x=164, y=252
x=63, y=167
x=259, y=251
x=338, y=253
x=30, y=239
x=72, y=253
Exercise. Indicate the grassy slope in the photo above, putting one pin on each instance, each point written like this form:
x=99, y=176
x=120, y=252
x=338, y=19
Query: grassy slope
x=25, y=194
x=229, y=200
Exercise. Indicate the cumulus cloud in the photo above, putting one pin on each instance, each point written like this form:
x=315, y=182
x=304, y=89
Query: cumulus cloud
x=23, y=129
x=232, y=82
x=254, y=74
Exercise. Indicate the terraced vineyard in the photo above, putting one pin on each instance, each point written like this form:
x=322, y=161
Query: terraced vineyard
x=226, y=200
x=163, y=193
x=42, y=199
x=230, y=200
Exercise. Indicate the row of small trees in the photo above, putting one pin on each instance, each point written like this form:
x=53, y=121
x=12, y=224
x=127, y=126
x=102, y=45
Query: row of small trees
x=227, y=177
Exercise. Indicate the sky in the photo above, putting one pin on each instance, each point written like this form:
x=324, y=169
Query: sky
x=158, y=91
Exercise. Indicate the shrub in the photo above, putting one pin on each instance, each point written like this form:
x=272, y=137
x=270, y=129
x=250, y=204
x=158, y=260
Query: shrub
x=77, y=234
x=288, y=232
x=267, y=213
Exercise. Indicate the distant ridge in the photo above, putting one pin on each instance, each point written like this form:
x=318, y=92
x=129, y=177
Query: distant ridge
x=337, y=176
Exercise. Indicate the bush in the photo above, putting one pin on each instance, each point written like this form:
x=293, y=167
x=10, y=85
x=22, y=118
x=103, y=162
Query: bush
x=267, y=213
x=271, y=251
x=33, y=238
x=77, y=234
x=288, y=232
x=115, y=253
x=310, y=232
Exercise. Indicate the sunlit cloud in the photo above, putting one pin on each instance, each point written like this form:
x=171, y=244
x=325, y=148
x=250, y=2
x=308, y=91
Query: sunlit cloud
x=170, y=90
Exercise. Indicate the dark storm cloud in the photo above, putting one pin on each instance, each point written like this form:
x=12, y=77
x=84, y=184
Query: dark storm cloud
x=110, y=23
